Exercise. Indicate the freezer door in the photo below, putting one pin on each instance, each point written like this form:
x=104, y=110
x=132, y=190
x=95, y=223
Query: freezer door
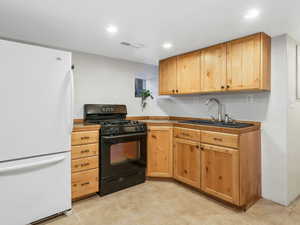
x=35, y=188
x=36, y=100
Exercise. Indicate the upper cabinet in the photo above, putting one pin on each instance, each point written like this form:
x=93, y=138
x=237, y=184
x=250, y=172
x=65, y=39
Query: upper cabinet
x=188, y=73
x=240, y=65
x=248, y=63
x=168, y=76
x=213, y=65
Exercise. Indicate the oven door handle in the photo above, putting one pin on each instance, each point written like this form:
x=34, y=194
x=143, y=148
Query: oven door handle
x=124, y=135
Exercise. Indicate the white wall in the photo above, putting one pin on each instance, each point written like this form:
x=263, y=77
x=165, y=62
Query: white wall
x=293, y=135
x=103, y=80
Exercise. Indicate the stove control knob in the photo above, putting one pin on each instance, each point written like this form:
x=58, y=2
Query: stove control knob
x=113, y=130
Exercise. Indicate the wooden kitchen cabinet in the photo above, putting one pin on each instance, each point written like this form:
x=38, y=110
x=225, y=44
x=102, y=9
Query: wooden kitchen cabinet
x=168, y=76
x=187, y=162
x=248, y=63
x=221, y=139
x=222, y=162
x=84, y=183
x=188, y=73
x=186, y=133
x=213, y=68
x=243, y=64
x=159, y=152
x=85, y=163
x=220, y=172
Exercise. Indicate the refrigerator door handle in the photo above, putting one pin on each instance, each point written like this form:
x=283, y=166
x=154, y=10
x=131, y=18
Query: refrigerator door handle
x=31, y=165
x=72, y=99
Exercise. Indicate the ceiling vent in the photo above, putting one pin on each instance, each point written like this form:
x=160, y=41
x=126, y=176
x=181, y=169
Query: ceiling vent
x=132, y=45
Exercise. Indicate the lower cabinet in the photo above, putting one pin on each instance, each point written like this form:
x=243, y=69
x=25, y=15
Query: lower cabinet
x=187, y=162
x=85, y=163
x=226, y=166
x=85, y=182
x=159, y=152
x=220, y=172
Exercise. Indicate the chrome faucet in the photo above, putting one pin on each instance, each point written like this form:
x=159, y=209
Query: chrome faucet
x=220, y=110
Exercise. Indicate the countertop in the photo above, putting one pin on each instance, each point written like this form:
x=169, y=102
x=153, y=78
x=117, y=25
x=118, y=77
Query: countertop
x=85, y=127
x=161, y=121
x=175, y=123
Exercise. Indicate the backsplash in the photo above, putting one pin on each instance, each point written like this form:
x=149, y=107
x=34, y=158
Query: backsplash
x=241, y=106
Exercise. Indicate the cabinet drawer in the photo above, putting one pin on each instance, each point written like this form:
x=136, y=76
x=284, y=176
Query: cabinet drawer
x=81, y=151
x=84, y=183
x=85, y=163
x=188, y=134
x=85, y=137
x=222, y=139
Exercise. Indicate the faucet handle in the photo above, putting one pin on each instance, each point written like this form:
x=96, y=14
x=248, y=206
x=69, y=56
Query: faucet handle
x=213, y=118
x=228, y=119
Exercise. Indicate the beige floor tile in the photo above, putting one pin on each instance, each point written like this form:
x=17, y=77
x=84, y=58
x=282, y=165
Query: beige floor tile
x=291, y=219
x=269, y=212
x=295, y=206
x=170, y=203
x=64, y=220
x=86, y=204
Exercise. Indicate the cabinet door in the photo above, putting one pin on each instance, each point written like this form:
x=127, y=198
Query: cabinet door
x=213, y=68
x=220, y=172
x=159, y=152
x=188, y=73
x=187, y=162
x=168, y=76
x=244, y=63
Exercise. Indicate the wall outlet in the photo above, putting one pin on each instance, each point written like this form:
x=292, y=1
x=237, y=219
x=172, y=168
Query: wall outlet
x=250, y=99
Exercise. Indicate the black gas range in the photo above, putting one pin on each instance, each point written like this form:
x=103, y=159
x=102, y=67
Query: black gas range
x=123, y=147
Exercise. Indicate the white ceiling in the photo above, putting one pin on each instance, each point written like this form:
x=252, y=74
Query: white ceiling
x=189, y=24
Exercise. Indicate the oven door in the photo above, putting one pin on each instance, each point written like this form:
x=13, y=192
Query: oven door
x=122, y=154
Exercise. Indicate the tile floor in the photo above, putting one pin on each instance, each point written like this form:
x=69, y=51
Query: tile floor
x=170, y=203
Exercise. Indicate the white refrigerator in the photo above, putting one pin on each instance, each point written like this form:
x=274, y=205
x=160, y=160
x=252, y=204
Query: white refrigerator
x=36, y=88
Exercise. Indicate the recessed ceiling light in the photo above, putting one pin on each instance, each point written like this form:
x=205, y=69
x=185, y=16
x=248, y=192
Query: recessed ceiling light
x=112, y=29
x=251, y=14
x=167, y=45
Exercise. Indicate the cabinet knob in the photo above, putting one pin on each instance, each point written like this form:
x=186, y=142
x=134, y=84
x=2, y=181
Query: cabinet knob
x=222, y=87
x=218, y=139
x=227, y=86
x=86, y=183
x=176, y=91
x=202, y=148
x=173, y=90
x=85, y=138
x=197, y=146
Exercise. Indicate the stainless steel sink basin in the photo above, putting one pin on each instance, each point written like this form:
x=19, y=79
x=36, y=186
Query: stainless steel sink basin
x=217, y=123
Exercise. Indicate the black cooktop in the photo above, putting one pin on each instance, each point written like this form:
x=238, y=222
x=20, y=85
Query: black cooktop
x=114, y=122
x=112, y=119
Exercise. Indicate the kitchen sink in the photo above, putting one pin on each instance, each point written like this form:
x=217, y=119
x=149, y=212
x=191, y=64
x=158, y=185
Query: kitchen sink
x=217, y=123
